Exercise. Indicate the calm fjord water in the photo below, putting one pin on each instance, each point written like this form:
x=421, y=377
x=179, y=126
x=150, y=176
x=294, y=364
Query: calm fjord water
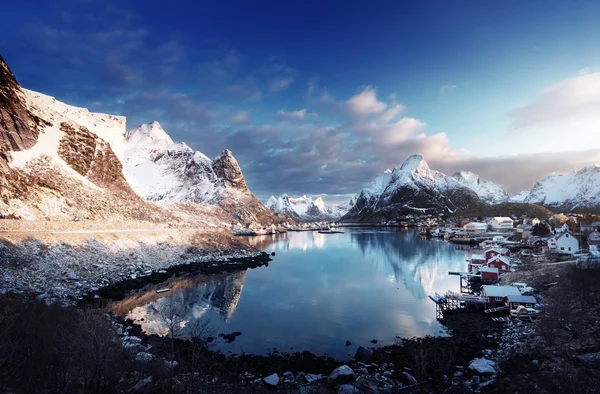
x=319, y=291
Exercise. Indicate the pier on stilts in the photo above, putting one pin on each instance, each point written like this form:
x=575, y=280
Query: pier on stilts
x=451, y=301
x=465, y=280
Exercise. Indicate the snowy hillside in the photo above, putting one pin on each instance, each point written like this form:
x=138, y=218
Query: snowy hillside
x=413, y=187
x=578, y=190
x=160, y=170
x=306, y=209
x=486, y=190
x=520, y=197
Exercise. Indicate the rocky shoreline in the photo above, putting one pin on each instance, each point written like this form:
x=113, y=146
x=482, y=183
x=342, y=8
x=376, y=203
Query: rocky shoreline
x=65, y=272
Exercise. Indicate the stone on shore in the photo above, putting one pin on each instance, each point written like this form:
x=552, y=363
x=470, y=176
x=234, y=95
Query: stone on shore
x=483, y=366
x=363, y=354
x=271, y=380
x=341, y=375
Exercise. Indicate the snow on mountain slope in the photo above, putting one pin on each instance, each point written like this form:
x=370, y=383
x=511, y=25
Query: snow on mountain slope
x=306, y=209
x=486, y=190
x=578, y=190
x=110, y=128
x=413, y=187
x=160, y=170
x=520, y=197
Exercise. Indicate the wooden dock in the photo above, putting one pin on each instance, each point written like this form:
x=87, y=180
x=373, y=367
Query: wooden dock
x=451, y=301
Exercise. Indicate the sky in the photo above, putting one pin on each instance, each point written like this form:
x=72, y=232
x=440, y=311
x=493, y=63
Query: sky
x=318, y=98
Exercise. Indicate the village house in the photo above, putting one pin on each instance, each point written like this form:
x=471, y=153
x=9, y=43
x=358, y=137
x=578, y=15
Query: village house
x=478, y=259
x=500, y=223
x=524, y=227
x=475, y=227
x=531, y=221
x=563, y=243
x=594, y=238
x=514, y=301
x=501, y=263
x=489, y=274
x=496, y=294
x=536, y=242
x=562, y=229
x=588, y=227
x=489, y=253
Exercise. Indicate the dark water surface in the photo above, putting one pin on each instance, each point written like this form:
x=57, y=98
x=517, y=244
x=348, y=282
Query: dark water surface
x=319, y=291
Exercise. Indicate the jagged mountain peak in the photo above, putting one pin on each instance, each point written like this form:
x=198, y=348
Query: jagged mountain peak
x=147, y=134
x=467, y=176
x=226, y=167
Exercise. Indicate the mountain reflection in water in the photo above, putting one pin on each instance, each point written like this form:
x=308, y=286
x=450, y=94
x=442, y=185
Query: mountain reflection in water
x=319, y=291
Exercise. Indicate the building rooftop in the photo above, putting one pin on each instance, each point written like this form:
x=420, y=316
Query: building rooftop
x=500, y=291
x=522, y=299
x=489, y=269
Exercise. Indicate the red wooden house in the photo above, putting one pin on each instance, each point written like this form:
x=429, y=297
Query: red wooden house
x=496, y=294
x=495, y=252
x=489, y=274
x=478, y=259
x=514, y=301
x=502, y=263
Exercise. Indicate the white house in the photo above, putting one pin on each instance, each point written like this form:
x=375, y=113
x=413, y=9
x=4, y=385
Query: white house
x=563, y=243
x=562, y=229
x=501, y=224
x=475, y=227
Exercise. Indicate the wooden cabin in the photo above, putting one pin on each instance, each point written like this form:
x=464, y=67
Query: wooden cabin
x=489, y=274
x=514, y=301
x=502, y=263
x=478, y=259
x=495, y=252
x=496, y=294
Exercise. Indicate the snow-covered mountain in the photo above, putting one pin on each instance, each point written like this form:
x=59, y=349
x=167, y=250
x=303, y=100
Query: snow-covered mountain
x=413, y=187
x=486, y=190
x=59, y=161
x=577, y=191
x=306, y=209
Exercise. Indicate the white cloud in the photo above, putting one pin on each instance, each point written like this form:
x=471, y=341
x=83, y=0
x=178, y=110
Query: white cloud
x=571, y=98
x=240, y=117
x=444, y=89
x=280, y=83
x=366, y=103
x=299, y=114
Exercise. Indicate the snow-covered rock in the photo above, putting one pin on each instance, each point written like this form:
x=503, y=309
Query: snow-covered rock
x=271, y=380
x=483, y=366
x=341, y=375
x=486, y=190
x=306, y=209
x=574, y=191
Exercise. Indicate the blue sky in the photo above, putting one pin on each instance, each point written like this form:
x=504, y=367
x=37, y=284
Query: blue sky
x=319, y=98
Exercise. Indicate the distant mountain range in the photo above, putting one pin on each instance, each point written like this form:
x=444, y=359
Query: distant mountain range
x=415, y=188
x=306, y=209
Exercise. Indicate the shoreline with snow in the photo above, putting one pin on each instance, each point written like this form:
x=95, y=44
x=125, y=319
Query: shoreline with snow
x=65, y=264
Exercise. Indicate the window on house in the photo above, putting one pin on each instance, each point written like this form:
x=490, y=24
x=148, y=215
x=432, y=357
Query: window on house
x=516, y=304
x=529, y=306
x=569, y=248
x=562, y=248
x=497, y=298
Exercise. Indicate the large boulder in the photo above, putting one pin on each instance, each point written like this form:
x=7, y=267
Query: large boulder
x=363, y=354
x=341, y=375
x=271, y=381
x=483, y=366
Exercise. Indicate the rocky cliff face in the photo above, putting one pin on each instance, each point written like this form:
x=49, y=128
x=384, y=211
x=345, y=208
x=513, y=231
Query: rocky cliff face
x=18, y=126
x=306, y=209
x=228, y=169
